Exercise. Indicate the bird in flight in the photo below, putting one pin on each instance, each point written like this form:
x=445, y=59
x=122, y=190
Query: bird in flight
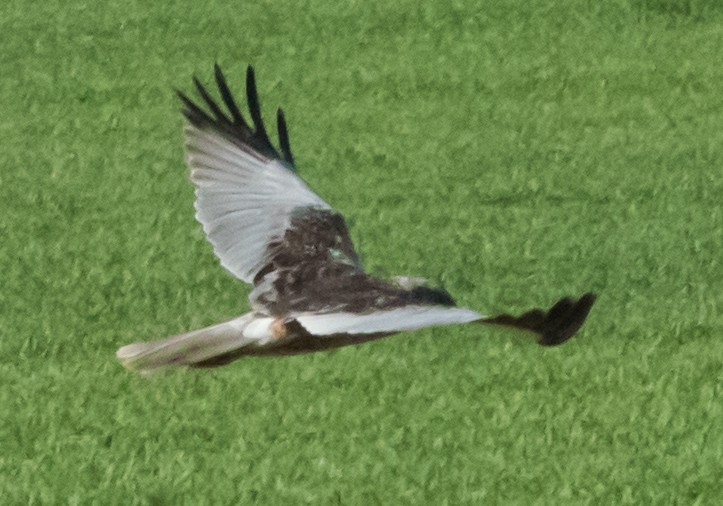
x=310, y=291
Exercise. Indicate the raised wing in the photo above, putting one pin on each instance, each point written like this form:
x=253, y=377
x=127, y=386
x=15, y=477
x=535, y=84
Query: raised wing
x=247, y=195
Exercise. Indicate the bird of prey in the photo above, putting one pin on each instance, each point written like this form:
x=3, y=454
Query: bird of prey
x=310, y=291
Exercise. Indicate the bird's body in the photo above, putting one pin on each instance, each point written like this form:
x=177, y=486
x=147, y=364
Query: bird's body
x=310, y=291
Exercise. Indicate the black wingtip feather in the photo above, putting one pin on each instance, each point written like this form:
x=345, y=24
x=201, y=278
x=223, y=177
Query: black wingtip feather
x=284, y=137
x=565, y=319
x=554, y=326
x=254, y=106
x=234, y=127
x=194, y=114
x=227, y=97
x=210, y=102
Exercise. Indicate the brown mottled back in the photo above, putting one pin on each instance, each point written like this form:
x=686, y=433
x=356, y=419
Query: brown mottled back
x=314, y=267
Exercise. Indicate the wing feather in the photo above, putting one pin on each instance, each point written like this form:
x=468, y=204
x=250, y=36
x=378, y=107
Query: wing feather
x=227, y=96
x=394, y=320
x=246, y=193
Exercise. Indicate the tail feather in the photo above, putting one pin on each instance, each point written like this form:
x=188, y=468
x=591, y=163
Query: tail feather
x=188, y=349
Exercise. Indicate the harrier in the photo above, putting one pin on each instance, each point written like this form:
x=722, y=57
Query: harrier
x=310, y=291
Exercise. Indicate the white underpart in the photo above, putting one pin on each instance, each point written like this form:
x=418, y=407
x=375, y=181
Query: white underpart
x=242, y=202
x=391, y=320
x=198, y=345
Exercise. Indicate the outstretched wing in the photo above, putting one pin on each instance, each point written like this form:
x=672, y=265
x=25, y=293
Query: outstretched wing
x=399, y=319
x=247, y=195
x=552, y=327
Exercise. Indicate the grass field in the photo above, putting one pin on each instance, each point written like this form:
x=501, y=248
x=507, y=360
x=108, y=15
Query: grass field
x=514, y=152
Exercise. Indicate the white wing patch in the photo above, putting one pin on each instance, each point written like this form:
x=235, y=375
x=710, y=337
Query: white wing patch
x=392, y=320
x=243, y=200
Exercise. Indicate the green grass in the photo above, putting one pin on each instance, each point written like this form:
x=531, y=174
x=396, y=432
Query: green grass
x=515, y=152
